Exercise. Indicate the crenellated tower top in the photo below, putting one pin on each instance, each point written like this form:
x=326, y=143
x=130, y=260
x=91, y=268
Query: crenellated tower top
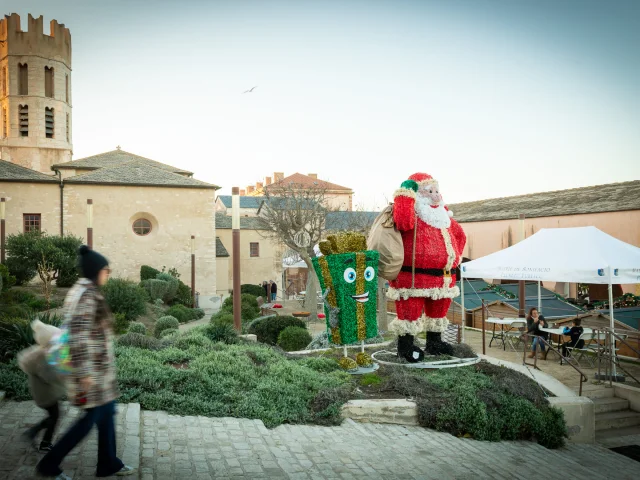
x=15, y=41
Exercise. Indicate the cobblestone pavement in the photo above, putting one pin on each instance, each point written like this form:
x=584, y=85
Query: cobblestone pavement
x=199, y=448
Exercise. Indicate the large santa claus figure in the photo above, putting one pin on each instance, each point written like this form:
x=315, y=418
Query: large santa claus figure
x=433, y=244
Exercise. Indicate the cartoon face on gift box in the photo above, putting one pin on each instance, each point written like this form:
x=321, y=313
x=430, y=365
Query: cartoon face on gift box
x=349, y=283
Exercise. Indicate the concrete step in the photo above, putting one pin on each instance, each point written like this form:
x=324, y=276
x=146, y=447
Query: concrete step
x=610, y=404
x=597, y=391
x=627, y=418
x=618, y=437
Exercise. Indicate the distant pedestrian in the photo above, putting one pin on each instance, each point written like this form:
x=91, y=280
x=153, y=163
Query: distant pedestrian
x=274, y=291
x=91, y=385
x=47, y=388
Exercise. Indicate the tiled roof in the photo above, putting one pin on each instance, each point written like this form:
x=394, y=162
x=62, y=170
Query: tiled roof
x=10, y=172
x=342, y=221
x=611, y=197
x=245, y=202
x=114, y=158
x=286, y=203
x=220, y=250
x=246, y=223
x=300, y=180
x=137, y=174
x=551, y=307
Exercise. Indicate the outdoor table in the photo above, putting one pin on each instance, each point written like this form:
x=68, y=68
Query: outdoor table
x=502, y=322
x=267, y=308
x=560, y=333
x=303, y=315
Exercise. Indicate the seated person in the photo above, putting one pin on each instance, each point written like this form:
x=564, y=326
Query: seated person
x=535, y=321
x=574, y=332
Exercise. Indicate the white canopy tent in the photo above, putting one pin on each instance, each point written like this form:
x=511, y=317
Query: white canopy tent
x=577, y=255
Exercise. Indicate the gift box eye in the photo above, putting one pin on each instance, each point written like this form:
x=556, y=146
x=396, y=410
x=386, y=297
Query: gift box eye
x=349, y=275
x=369, y=273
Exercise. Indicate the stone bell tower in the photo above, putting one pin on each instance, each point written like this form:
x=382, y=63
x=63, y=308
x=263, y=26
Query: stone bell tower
x=35, y=94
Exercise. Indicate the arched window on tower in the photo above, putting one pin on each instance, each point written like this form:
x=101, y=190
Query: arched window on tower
x=23, y=79
x=48, y=82
x=24, y=120
x=68, y=130
x=48, y=122
x=5, y=123
x=5, y=82
x=66, y=86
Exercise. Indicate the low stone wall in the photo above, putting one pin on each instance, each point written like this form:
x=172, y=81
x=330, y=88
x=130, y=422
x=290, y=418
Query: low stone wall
x=628, y=393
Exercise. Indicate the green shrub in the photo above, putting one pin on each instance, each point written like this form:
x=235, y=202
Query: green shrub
x=255, y=290
x=172, y=286
x=138, y=327
x=221, y=332
x=16, y=333
x=164, y=323
x=148, y=273
x=168, y=332
x=6, y=279
x=25, y=250
x=126, y=297
x=13, y=382
x=320, y=364
x=138, y=340
x=222, y=318
x=120, y=324
x=292, y=339
x=184, y=295
x=185, y=314
x=268, y=330
x=156, y=289
x=249, y=309
x=244, y=381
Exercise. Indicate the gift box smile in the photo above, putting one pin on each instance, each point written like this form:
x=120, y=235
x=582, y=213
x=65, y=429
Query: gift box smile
x=363, y=297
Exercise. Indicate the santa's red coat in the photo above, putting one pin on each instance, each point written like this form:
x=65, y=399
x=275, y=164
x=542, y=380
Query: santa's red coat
x=435, y=249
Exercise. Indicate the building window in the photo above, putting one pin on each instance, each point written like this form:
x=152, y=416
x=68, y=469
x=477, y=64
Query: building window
x=254, y=249
x=68, y=131
x=24, y=120
x=66, y=87
x=32, y=222
x=142, y=227
x=48, y=82
x=48, y=121
x=5, y=123
x=23, y=79
x=5, y=82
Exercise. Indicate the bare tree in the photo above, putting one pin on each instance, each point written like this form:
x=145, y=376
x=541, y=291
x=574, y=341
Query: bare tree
x=294, y=215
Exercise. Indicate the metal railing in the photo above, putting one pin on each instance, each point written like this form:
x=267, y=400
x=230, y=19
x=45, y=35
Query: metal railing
x=607, y=354
x=525, y=337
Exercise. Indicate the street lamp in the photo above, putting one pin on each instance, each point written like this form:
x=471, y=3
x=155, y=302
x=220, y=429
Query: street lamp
x=235, y=226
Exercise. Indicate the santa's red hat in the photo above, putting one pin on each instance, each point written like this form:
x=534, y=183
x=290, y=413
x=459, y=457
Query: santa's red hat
x=423, y=179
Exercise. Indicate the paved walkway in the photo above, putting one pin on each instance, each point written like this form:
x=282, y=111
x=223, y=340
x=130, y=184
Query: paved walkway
x=199, y=448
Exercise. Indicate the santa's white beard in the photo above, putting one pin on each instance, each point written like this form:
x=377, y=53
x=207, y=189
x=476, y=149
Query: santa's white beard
x=436, y=217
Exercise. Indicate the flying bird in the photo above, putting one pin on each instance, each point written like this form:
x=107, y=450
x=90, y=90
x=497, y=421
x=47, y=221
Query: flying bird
x=250, y=90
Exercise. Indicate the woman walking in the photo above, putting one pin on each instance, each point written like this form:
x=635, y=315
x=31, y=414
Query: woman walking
x=92, y=384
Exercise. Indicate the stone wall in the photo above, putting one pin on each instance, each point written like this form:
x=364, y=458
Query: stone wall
x=21, y=198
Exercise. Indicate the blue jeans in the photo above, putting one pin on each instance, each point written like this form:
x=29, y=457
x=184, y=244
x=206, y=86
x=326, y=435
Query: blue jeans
x=273, y=297
x=537, y=341
x=108, y=462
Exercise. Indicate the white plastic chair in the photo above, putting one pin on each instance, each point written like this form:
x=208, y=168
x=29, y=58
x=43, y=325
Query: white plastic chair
x=513, y=336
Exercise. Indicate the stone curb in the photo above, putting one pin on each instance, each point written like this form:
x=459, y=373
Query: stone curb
x=396, y=411
x=131, y=452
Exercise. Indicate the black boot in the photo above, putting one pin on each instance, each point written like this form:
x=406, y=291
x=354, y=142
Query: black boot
x=408, y=350
x=435, y=345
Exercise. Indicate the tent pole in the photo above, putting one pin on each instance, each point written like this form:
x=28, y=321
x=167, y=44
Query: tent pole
x=612, y=343
x=462, y=313
x=539, y=298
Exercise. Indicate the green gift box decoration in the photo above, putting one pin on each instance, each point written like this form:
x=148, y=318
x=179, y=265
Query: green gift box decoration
x=348, y=275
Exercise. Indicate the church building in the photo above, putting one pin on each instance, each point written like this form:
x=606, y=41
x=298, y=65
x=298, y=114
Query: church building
x=141, y=212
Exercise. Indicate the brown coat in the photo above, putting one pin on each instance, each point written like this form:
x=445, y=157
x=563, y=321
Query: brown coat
x=90, y=322
x=45, y=385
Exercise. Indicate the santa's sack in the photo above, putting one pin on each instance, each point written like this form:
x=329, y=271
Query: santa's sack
x=58, y=355
x=387, y=241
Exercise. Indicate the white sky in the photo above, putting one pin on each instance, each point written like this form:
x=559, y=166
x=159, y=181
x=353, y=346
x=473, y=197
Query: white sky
x=493, y=98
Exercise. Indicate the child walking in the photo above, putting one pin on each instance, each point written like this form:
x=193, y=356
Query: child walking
x=46, y=387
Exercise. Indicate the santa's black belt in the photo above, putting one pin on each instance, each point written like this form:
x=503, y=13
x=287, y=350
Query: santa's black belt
x=434, y=272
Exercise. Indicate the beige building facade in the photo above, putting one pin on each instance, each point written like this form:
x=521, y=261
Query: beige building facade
x=35, y=94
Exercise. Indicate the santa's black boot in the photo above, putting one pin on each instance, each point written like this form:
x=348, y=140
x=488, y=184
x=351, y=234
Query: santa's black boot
x=408, y=350
x=435, y=345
